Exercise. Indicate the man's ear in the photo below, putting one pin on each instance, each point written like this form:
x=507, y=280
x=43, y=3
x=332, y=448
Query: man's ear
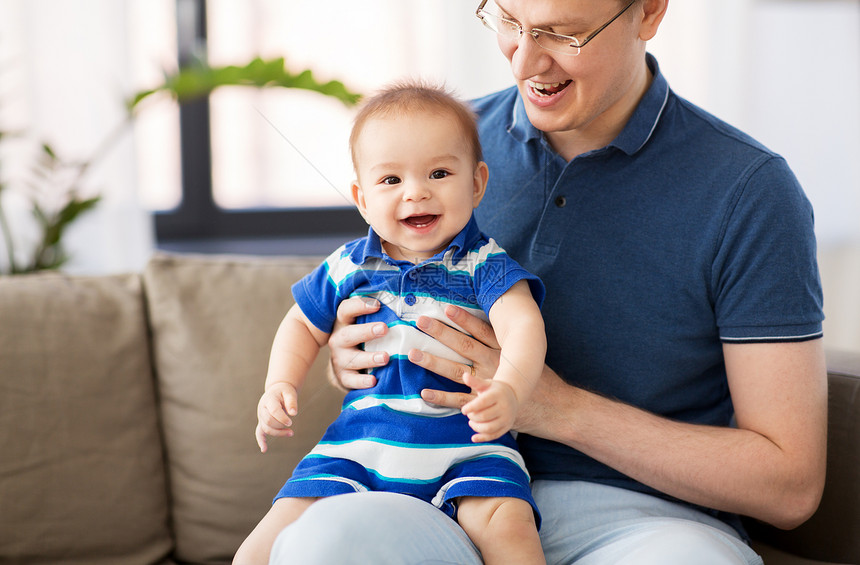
x=479, y=183
x=358, y=198
x=653, y=12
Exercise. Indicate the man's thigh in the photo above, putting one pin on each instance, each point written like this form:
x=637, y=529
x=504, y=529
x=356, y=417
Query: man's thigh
x=591, y=524
x=374, y=527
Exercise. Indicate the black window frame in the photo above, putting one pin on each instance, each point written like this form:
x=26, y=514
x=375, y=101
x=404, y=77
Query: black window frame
x=198, y=220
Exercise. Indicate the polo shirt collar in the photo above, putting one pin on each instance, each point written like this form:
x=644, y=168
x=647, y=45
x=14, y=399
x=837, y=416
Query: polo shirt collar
x=645, y=118
x=371, y=246
x=634, y=135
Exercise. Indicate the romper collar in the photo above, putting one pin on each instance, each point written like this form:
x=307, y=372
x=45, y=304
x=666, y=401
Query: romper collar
x=371, y=246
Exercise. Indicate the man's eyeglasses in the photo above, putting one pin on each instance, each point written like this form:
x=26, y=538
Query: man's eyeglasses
x=512, y=30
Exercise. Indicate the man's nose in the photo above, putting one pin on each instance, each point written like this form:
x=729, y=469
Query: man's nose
x=529, y=59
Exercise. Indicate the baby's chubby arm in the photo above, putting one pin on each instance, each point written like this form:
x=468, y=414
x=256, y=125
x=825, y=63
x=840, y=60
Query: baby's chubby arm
x=519, y=328
x=296, y=345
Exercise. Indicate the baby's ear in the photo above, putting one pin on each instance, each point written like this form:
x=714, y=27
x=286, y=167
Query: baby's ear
x=479, y=183
x=358, y=198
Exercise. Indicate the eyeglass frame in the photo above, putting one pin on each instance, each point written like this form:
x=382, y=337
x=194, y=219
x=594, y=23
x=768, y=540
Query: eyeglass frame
x=533, y=30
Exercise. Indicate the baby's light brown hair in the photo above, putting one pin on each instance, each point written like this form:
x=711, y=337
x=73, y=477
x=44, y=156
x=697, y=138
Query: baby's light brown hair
x=406, y=97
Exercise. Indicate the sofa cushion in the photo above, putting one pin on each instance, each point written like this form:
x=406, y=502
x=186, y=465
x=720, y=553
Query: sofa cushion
x=213, y=320
x=81, y=443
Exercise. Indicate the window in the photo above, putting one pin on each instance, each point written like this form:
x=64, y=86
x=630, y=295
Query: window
x=274, y=163
x=242, y=177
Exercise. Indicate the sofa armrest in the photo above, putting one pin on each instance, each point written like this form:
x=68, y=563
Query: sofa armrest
x=830, y=536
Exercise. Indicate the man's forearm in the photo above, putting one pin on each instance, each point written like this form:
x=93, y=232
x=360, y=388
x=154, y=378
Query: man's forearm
x=733, y=470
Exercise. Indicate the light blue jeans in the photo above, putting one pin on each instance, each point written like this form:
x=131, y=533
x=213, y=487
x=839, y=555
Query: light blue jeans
x=583, y=523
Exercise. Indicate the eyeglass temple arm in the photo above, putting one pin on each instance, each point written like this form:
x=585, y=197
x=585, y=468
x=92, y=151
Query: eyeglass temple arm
x=601, y=28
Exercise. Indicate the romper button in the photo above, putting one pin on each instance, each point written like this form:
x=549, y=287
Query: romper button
x=410, y=299
x=561, y=201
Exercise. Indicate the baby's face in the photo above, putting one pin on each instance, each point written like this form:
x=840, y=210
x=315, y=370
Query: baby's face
x=417, y=182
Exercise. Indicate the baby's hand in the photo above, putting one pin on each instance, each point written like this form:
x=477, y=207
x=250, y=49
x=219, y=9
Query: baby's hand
x=491, y=414
x=274, y=413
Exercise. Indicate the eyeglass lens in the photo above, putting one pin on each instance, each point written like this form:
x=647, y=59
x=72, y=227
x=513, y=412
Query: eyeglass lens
x=511, y=30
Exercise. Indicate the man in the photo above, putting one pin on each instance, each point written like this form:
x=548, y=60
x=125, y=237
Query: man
x=685, y=379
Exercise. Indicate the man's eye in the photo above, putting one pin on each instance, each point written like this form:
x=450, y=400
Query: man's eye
x=440, y=174
x=509, y=25
x=391, y=180
x=560, y=38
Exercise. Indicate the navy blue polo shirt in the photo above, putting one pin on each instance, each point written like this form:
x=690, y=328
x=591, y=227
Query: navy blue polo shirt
x=681, y=234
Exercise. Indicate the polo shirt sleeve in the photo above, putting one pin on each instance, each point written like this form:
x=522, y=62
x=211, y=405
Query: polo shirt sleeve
x=317, y=294
x=497, y=273
x=765, y=276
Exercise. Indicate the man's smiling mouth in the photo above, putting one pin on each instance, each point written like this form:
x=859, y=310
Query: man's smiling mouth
x=547, y=89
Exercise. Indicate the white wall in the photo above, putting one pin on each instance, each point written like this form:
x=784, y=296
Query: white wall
x=65, y=69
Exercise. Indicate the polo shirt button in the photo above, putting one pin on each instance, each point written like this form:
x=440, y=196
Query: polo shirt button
x=410, y=299
x=412, y=275
x=560, y=201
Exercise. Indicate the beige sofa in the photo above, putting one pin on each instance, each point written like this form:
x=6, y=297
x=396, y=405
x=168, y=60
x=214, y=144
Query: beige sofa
x=127, y=409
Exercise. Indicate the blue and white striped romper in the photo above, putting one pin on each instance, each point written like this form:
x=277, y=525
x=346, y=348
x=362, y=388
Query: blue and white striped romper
x=387, y=438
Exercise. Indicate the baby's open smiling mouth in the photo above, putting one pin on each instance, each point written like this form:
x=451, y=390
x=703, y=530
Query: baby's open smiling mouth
x=420, y=221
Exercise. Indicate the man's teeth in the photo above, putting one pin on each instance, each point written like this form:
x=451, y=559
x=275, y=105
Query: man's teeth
x=546, y=88
x=544, y=85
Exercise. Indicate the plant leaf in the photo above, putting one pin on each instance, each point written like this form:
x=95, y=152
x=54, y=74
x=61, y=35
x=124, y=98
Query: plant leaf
x=199, y=80
x=49, y=151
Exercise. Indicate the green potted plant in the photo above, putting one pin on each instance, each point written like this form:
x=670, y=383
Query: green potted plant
x=65, y=180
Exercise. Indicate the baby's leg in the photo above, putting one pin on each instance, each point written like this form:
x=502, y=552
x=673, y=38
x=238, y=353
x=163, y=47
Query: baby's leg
x=257, y=546
x=503, y=529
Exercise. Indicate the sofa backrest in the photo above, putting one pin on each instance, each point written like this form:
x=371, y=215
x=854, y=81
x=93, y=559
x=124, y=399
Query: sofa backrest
x=213, y=320
x=88, y=429
x=81, y=468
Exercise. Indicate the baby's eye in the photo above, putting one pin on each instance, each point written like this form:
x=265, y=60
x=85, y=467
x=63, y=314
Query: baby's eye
x=439, y=174
x=391, y=180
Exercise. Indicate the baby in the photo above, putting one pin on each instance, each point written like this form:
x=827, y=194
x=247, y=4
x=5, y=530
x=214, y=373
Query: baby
x=417, y=157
